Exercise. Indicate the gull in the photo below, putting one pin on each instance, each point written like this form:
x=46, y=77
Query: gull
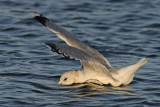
x=95, y=67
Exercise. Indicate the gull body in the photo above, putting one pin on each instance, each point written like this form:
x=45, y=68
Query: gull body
x=122, y=76
x=95, y=67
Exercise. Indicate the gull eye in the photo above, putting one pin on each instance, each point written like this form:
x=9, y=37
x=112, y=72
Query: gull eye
x=65, y=79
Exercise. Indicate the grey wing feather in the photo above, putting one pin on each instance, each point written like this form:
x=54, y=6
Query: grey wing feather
x=70, y=39
x=69, y=52
x=88, y=62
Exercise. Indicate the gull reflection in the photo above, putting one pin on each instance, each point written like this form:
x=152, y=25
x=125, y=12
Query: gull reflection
x=94, y=89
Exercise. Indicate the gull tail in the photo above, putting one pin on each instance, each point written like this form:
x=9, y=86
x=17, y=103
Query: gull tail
x=129, y=70
x=141, y=62
x=126, y=74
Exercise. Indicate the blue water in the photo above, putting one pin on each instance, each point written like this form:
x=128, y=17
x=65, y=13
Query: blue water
x=122, y=30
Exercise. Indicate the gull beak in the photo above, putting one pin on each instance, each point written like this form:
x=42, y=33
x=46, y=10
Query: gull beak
x=58, y=83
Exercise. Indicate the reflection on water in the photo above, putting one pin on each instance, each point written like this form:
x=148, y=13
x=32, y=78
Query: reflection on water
x=94, y=89
x=93, y=94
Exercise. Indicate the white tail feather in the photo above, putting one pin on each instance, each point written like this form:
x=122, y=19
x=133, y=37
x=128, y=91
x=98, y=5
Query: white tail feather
x=142, y=61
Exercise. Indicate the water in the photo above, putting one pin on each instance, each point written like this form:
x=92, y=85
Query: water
x=122, y=30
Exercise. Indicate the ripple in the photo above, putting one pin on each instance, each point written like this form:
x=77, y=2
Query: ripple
x=15, y=74
x=154, y=25
x=36, y=85
x=116, y=1
x=150, y=32
x=84, y=22
x=21, y=102
x=151, y=89
x=149, y=103
x=101, y=27
x=10, y=29
x=153, y=56
x=28, y=21
x=37, y=52
x=80, y=18
x=157, y=48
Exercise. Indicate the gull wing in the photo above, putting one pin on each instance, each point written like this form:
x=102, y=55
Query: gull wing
x=70, y=38
x=89, y=64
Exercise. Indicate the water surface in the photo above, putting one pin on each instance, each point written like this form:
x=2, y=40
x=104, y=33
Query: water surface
x=122, y=30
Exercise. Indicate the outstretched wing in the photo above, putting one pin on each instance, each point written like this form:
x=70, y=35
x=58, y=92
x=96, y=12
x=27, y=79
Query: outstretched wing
x=70, y=38
x=90, y=65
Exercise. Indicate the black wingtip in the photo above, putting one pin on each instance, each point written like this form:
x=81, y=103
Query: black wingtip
x=34, y=14
x=52, y=46
x=39, y=17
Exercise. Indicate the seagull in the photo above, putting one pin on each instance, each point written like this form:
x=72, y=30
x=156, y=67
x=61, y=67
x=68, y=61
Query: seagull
x=95, y=68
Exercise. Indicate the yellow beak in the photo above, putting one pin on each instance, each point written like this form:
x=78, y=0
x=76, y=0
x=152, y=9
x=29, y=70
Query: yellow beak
x=58, y=83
